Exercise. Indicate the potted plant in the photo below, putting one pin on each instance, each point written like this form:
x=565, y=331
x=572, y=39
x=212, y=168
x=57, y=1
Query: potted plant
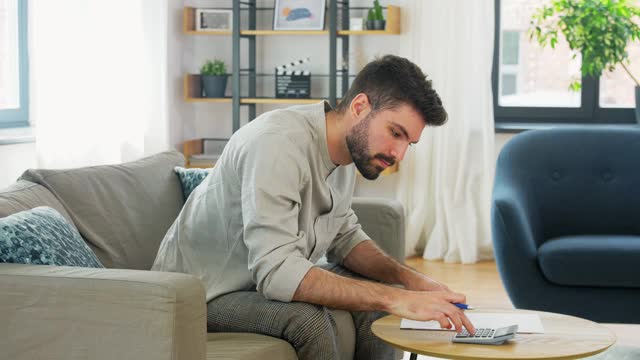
x=213, y=76
x=375, y=18
x=598, y=29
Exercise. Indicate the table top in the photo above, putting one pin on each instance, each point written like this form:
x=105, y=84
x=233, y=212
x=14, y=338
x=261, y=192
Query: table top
x=565, y=337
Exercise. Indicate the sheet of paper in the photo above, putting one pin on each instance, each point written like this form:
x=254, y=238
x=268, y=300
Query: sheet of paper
x=527, y=323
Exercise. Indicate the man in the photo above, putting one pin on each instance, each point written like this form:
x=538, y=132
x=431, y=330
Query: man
x=279, y=199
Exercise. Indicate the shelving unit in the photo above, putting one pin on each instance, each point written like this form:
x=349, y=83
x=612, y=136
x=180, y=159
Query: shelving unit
x=250, y=33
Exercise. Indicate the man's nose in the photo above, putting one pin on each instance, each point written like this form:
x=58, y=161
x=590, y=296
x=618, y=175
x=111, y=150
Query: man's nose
x=399, y=151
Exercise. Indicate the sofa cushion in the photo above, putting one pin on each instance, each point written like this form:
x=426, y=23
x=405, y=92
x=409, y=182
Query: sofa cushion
x=41, y=236
x=230, y=346
x=591, y=260
x=190, y=178
x=122, y=211
x=24, y=195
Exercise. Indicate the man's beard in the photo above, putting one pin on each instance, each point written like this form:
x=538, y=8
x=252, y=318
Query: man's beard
x=358, y=145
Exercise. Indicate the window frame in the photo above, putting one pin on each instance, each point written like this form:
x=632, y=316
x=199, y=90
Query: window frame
x=589, y=111
x=13, y=118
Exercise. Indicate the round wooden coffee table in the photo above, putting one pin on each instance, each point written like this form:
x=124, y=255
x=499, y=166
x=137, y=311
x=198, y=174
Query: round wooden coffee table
x=565, y=337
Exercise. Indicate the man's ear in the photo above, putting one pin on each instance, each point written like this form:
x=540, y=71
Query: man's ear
x=360, y=107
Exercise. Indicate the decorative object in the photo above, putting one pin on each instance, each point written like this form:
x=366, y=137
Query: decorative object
x=213, y=75
x=41, y=236
x=293, y=84
x=356, y=24
x=190, y=178
x=371, y=17
x=375, y=18
x=299, y=14
x=214, y=20
x=601, y=40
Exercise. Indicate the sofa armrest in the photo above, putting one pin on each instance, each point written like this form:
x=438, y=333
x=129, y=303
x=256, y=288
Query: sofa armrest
x=383, y=221
x=57, y=312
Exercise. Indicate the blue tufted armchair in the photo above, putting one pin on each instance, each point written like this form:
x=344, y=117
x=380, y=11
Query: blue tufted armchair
x=566, y=222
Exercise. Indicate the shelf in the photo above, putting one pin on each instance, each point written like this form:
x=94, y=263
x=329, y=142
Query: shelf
x=278, y=101
x=217, y=32
x=365, y=32
x=246, y=33
x=192, y=93
x=284, y=32
x=392, y=27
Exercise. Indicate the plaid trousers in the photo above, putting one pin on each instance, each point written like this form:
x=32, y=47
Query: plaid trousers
x=309, y=328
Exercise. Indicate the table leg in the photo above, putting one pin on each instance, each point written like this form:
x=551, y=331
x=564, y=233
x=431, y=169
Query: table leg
x=413, y=356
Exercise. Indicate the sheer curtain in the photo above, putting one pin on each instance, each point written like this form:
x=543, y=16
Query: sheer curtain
x=445, y=182
x=98, y=75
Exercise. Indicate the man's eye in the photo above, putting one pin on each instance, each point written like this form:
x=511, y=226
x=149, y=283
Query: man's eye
x=395, y=134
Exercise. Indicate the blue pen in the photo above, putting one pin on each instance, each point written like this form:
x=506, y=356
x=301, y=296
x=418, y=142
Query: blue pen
x=463, y=306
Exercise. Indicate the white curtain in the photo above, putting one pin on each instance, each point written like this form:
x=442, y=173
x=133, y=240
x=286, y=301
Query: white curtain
x=445, y=182
x=98, y=75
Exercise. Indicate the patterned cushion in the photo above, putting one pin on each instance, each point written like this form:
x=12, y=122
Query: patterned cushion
x=41, y=236
x=190, y=178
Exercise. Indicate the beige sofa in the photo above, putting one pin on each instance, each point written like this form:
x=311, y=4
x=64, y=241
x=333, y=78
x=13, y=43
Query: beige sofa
x=126, y=311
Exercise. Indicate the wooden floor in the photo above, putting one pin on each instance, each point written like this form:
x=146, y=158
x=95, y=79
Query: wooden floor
x=482, y=286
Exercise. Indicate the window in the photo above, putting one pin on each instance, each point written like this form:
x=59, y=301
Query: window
x=14, y=81
x=531, y=84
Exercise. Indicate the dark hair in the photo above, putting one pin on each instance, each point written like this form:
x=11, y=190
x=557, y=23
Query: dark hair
x=390, y=81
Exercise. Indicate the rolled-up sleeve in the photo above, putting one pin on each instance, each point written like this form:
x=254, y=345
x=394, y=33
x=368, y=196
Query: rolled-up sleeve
x=349, y=235
x=272, y=175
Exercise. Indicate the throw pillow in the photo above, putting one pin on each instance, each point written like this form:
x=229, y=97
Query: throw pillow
x=190, y=178
x=41, y=236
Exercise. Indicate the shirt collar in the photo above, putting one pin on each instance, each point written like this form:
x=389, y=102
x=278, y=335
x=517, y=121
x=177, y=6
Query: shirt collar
x=323, y=108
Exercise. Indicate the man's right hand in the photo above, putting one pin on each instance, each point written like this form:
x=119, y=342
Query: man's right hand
x=324, y=288
x=432, y=305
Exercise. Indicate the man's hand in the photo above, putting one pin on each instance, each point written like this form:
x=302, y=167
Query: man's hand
x=432, y=305
x=322, y=287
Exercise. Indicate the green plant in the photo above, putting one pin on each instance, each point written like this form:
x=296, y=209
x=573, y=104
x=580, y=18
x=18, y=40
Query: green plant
x=377, y=9
x=216, y=67
x=371, y=15
x=598, y=29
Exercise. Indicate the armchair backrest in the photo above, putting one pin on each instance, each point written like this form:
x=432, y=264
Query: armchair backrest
x=580, y=180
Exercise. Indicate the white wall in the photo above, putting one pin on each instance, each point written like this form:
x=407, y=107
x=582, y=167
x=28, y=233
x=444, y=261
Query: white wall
x=14, y=160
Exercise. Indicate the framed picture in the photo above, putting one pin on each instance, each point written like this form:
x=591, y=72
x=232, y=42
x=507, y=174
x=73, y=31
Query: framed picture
x=299, y=14
x=214, y=20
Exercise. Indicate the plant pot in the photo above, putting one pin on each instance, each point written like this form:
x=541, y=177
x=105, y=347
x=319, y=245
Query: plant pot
x=379, y=24
x=370, y=24
x=214, y=86
x=638, y=104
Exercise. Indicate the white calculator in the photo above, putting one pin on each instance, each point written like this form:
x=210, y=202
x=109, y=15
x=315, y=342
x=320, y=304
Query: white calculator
x=487, y=336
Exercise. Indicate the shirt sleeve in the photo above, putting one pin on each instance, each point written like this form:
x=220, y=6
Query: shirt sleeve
x=349, y=235
x=272, y=174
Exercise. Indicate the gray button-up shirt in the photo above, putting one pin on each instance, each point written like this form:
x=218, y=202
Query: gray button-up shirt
x=273, y=205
